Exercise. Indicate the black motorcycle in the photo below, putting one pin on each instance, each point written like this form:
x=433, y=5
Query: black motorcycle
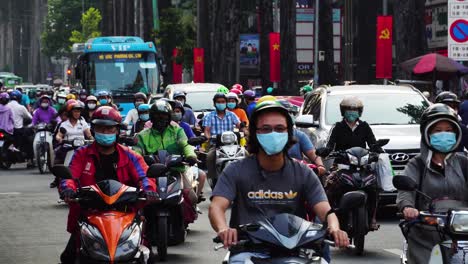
x=9, y=153
x=287, y=238
x=354, y=170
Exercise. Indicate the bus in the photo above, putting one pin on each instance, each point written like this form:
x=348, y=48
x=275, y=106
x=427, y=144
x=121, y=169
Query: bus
x=10, y=80
x=122, y=66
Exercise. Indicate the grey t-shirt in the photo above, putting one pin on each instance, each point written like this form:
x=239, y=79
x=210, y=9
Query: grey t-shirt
x=256, y=193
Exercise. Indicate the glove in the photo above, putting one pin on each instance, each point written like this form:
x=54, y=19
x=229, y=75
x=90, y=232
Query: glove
x=68, y=194
x=152, y=196
x=191, y=160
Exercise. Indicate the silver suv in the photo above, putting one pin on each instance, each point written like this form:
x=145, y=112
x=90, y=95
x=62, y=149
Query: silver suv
x=392, y=112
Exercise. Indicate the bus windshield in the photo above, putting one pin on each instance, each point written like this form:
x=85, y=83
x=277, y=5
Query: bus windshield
x=123, y=74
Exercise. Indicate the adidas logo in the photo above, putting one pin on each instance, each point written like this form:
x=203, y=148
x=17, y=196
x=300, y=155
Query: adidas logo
x=261, y=194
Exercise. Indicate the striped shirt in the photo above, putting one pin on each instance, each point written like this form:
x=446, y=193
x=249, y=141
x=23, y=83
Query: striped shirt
x=219, y=125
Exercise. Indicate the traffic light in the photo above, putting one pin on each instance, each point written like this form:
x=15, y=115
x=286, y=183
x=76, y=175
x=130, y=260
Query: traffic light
x=68, y=72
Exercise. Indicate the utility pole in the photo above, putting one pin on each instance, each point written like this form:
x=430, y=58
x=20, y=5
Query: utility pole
x=316, y=42
x=385, y=12
x=349, y=38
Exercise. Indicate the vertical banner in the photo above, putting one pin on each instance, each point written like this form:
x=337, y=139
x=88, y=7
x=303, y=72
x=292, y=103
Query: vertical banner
x=176, y=68
x=275, y=70
x=198, y=65
x=383, y=64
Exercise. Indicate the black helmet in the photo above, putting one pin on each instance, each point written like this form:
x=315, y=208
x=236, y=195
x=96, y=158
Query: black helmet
x=447, y=98
x=178, y=94
x=160, y=107
x=260, y=108
x=177, y=104
x=432, y=115
x=219, y=95
x=141, y=96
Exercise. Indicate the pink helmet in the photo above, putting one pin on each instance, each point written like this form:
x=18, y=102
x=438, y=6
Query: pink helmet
x=236, y=91
x=238, y=87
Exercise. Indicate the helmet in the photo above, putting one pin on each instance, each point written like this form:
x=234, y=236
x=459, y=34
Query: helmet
x=447, y=98
x=61, y=94
x=269, y=90
x=286, y=104
x=180, y=106
x=4, y=95
x=351, y=103
x=160, y=107
x=103, y=94
x=74, y=91
x=434, y=114
x=73, y=104
x=16, y=95
x=140, y=96
x=83, y=92
x=236, y=91
x=106, y=116
x=238, y=87
x=249, y=94
x=219, y=95
x=231, y=95
x=91, y=98
x=266, y=98
x=306, y=88
x=143, y=108
x=71, y=96
x=45, y=96
x=178, y=94
x=222, y=89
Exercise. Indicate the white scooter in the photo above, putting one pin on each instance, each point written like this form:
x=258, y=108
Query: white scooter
x=43, y=149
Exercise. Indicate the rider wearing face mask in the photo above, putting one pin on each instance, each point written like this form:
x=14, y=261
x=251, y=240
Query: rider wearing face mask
x=90, y=107
x=61, y=99
x=105, y=99
x=242, y=183
x=132, y=115
x=233, y=106
x=143, y=117
x=439, y=172
x=45, y=113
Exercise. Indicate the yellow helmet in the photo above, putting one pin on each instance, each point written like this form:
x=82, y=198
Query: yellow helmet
x=266, y=98
x=71, y=96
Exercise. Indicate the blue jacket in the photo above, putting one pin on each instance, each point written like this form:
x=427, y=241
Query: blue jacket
x=463, y=112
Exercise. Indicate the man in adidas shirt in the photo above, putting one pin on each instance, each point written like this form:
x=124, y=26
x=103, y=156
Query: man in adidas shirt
x=268, y=183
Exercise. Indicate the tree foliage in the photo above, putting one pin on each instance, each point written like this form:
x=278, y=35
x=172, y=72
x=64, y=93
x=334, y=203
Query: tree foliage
x=90, y=26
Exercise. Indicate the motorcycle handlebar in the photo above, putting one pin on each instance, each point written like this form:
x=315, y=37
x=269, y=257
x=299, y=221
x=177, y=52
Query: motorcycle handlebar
x=332, y=244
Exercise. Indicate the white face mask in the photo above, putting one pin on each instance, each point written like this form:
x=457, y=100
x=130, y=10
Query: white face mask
x=44, y=105
x=91, y=106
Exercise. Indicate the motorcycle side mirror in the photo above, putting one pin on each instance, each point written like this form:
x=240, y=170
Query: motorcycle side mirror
x=61, y=171
x=404, y=183
x=149, y=160
x=174, y=161
x=200, y=116
x=156, y=170
x=305, y=121
x=352, y=200
x=63, y=130
x=382, y=142
x=323, y=152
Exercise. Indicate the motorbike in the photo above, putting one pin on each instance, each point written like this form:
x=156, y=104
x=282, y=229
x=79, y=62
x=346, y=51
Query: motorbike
x=9, y=154
x=111, y=226
x=354, y=170
x=175, y=211
x=451, y=224
x=43, y=149
x=287, y=238
x=228, y=149
x=71, y=146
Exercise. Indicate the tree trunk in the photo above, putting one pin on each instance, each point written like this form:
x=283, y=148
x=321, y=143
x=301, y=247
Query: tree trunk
x=409, y=32
x=204, y=35
x=288, y=47
x=266, y=27
x=327, y=74
x=365, y=40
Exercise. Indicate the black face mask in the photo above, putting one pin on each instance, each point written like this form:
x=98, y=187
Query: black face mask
x=160, y=124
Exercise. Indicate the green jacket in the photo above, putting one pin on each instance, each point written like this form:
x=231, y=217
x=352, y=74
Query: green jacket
x=173, y=140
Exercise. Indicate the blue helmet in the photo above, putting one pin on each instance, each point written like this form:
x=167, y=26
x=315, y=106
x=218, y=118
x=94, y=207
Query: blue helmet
x=16, y=95
x=102, y=94
x=143, y=107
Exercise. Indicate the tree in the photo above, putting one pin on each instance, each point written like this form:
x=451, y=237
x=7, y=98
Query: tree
x=288, y=44
x=90, y=26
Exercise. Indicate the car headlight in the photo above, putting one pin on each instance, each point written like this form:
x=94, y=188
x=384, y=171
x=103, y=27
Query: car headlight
x=353, y=160
x=93, y=243
x=128, y=243
x=78, y=142
x=365, y=159
x=228, y=138
x=459, y=222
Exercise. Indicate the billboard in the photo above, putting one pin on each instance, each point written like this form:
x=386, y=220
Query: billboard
x=249, y=51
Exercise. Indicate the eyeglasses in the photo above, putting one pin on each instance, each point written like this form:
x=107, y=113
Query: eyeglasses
x=269, y=129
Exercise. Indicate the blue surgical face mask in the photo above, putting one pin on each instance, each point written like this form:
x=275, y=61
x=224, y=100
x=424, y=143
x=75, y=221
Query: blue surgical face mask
x=220, y=107
x=61, y=101
x=273, y=143
x=144, y=117
x=443, y=141
x=351, y=116
x=103, y=101
x=105, y=139
x=177, y=117
x=231, y=105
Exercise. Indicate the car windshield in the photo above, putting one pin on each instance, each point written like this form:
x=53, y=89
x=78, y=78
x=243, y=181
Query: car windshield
x=200, y=100
x=381, y=108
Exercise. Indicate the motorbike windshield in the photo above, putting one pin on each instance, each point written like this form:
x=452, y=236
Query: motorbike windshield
x=109, y=187
x=287, y=225
x=358, y=152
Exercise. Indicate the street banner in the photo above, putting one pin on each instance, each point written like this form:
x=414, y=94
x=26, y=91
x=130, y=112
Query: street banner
x=275, y=70
x=383, y=64
x=176, y=68
x=198, y=65
x=458, y=30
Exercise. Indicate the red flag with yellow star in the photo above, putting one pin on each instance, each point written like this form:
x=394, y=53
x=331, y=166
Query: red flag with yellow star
x=198, y=65
x=275, y=70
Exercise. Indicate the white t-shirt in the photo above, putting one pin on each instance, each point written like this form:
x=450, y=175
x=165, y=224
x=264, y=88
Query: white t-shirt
x=19, y=113
x=76, y=131
x=131, y=117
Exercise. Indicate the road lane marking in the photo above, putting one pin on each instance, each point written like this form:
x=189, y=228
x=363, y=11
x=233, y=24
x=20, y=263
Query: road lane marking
x=10, y=193
x=394, y=251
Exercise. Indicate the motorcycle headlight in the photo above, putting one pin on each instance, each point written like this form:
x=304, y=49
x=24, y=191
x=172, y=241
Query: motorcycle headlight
x=353, y=160
x=41, y=126
x=228, y=138
x=365, y=159
x=128, y=243
x=459, y=222
x=78, y=142
x=93, y=243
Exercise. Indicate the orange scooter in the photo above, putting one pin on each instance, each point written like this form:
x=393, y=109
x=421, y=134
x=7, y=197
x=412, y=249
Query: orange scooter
x=111, y=226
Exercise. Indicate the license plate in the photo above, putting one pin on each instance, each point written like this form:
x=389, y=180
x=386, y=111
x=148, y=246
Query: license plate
x=1, y=143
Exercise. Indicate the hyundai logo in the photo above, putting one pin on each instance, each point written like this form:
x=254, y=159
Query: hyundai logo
x=400, y=157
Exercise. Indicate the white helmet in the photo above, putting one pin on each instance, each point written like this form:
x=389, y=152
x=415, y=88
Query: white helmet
x=351, y=103
x=232, y=95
